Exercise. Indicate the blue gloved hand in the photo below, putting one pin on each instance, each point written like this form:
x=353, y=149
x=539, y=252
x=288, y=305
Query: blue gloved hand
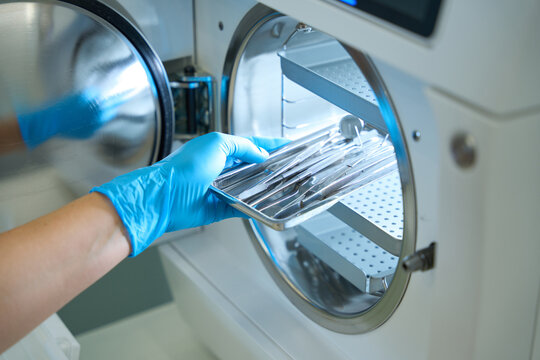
x=76, y=116
x=173, y=193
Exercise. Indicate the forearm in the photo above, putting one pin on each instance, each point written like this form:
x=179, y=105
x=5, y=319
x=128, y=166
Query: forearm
x=50, y=260
x=10, y=135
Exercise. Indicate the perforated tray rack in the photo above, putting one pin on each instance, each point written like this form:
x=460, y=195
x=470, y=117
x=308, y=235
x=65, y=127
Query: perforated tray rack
x=376, y=210
x=364, y=263
x=327, y=70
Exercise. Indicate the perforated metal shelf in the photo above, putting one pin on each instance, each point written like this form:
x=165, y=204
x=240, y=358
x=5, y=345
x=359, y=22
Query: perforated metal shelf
x=327, y=70
x=346, y=74
x=376, y=210
x=359, y=260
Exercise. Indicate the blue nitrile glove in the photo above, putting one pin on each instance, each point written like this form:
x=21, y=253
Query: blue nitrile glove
x=173, y=193
x=76, y=116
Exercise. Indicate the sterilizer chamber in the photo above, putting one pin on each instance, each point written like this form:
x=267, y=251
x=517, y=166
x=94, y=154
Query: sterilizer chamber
x=341, y=268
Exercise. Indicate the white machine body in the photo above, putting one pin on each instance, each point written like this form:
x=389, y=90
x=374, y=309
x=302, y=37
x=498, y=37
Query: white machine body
x=477, y=75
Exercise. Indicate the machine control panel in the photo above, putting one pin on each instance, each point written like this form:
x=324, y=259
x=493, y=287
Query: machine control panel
x=418, y=16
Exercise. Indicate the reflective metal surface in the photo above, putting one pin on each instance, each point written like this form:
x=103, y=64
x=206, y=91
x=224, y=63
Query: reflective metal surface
x=82, y=100
x=299, y=182
x=193, y=94
x=262, y=101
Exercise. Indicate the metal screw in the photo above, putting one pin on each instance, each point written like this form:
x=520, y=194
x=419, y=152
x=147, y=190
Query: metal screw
x=416, y=135
x=303, y=27
x=463, y=147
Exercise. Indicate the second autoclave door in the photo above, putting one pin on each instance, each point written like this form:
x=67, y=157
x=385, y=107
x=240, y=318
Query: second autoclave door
x=83, y=98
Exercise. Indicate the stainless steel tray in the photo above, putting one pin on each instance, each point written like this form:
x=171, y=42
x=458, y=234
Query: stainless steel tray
x=306, y=176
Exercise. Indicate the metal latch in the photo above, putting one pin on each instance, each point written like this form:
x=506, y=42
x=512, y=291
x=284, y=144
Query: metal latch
x=193, y=96
x=421, y=260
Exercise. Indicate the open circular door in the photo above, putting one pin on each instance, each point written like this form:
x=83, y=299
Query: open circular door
x=83, y=99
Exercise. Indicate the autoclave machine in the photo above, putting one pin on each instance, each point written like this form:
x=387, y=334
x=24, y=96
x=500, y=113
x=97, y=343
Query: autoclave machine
x=461, y=112
x=432, y=82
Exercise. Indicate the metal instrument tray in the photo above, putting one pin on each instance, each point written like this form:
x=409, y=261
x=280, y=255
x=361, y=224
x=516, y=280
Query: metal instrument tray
x=307, y=176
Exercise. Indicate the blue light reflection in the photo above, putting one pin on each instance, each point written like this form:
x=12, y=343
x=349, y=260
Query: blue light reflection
x=349, y=2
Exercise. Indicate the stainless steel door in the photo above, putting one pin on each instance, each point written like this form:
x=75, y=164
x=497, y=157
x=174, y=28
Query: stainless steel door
x=83, y=98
